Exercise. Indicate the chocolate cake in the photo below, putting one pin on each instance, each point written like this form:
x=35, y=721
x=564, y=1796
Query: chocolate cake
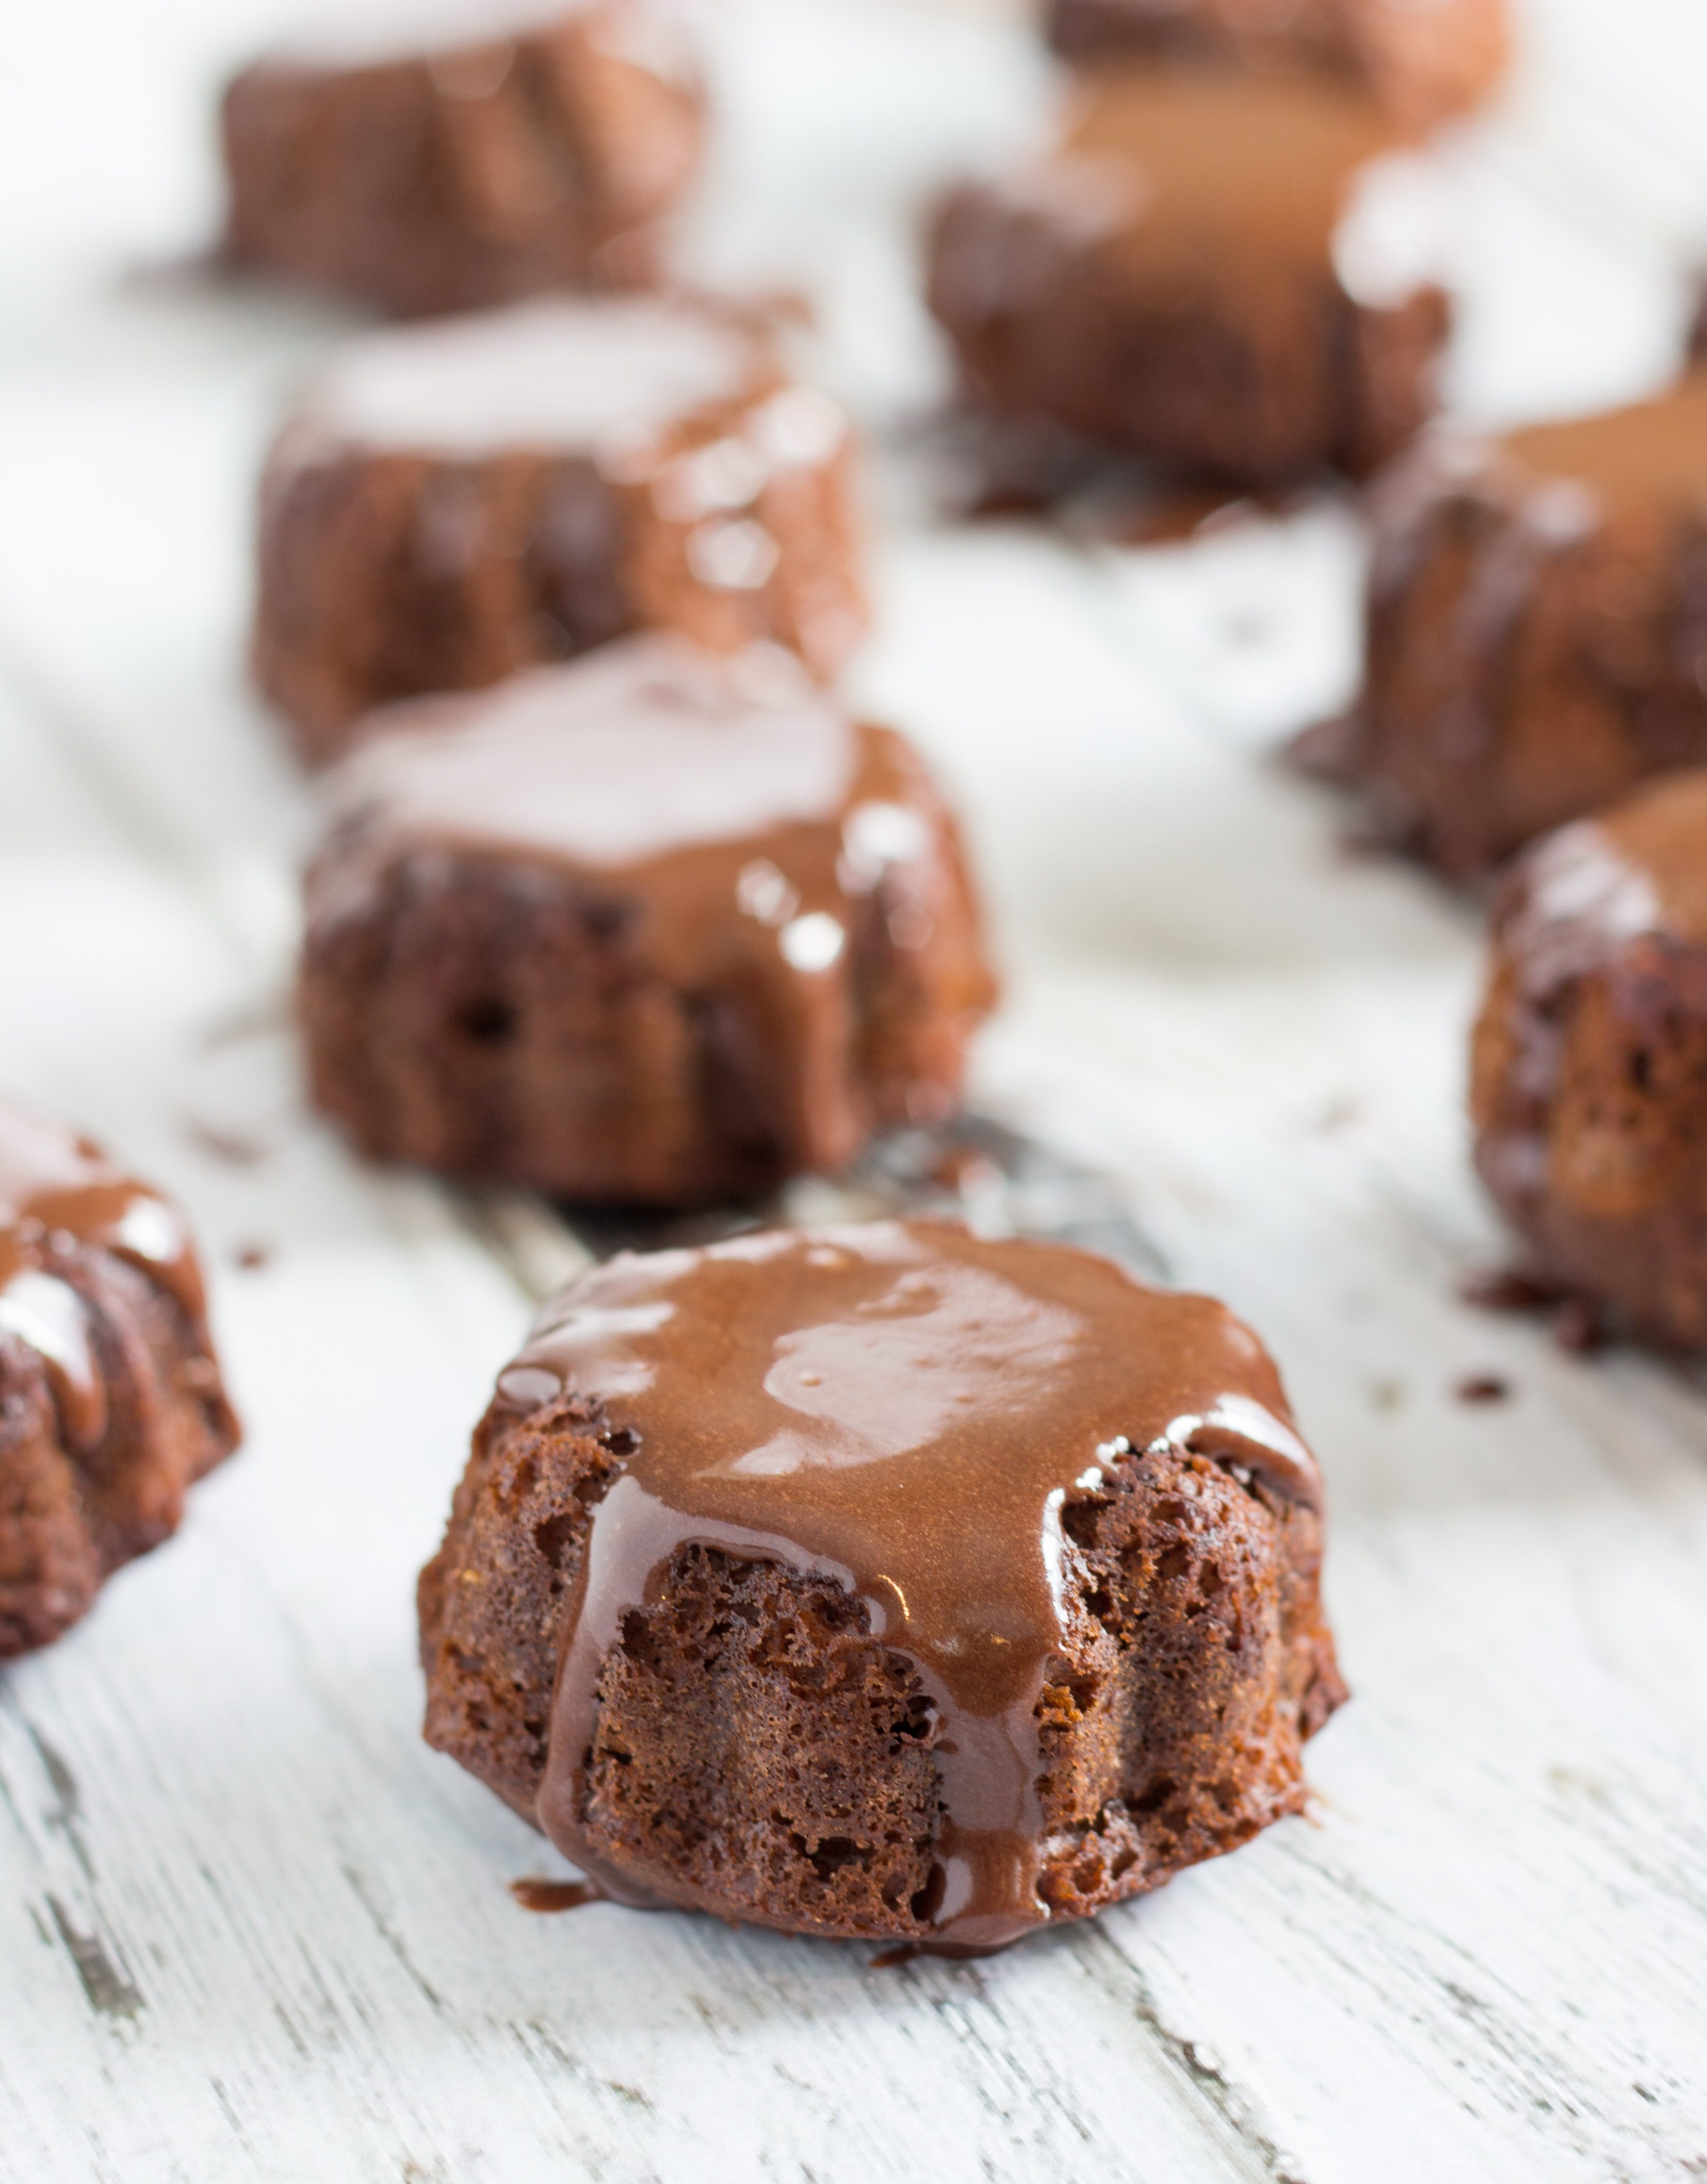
x=1209, y=271
x=651, y=928
x=1589, y=1078
x=1422, y=64
x=454, y=502
x=1537, y=628
x=884, y=1582
x=110, y=1400
x=437, y=155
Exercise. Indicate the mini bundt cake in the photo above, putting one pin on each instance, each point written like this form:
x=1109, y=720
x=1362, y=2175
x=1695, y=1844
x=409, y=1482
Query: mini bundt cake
x=884, y=1582
x=1206, y=272
x=650, y=928
x=1422, y=62
x=1537, y=628
x=1589, y=1075
x=110, y=1400
x=452, y=503
x=438, y=155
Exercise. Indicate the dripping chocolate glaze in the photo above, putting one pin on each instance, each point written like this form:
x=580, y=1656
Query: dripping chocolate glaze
x=58, y=1191
x=725, y=816
x=1635, y=476
x=1639, y=869
x=1561, y=482
x=905, y=1409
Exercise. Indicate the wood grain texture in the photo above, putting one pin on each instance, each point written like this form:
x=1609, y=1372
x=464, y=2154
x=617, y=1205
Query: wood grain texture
x=250, y=1928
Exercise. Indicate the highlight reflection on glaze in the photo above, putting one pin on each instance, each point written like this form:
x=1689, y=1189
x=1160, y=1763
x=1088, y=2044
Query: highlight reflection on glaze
x=905, y=1409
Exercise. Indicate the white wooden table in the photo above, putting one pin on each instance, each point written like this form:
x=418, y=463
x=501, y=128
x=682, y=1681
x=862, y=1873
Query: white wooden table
x=250, y=1928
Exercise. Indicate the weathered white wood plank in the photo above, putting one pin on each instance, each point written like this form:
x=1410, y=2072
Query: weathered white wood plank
x=249, y=1928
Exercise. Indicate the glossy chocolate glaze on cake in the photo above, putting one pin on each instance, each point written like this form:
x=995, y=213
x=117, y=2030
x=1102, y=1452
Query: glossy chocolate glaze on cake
x=1640, y=868
x=1589, y=1056
x=1646, y=453
x=1259, y=168
x=574, y=374
x=1421, y=62
x=452, y=503
x=1170, y=280
x=721, y=914
x=111, y=1404
x=58, y=1190
x=436, y=155
x=1538, y=627
x=709, y=789
x=1583, y=903
x=904, y=1408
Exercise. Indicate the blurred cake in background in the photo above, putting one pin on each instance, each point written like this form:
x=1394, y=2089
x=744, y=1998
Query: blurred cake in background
x=1229, y=276
x=439, y=155
x=1537, y=628
x=1589, y=1086
x=111, y=1404
x=1423, y=61
x=652, y=928
x=452, y=502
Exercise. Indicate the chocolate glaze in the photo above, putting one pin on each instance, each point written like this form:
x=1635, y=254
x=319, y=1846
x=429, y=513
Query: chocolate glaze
x=433, y=155
x=1573, y=908
x=1588, y=1061
x=548, y=1895
x=573, y=375
x=1153, y=172
x=1264, y=170
x=454, y=502
x=739, y=832
x=904, y=1408
x=1203, y=271
x=628, y=759
x=59, y=1190
x=1422, y=62
x=1567, y=562
x=1640, y=868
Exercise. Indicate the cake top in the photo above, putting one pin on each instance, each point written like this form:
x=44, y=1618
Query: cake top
x=1639, y=868
x=906, y=1408
x=565, y=373
x=635, y=751
x=59, y=1190
x=1266, y=164
x=1653, y=452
